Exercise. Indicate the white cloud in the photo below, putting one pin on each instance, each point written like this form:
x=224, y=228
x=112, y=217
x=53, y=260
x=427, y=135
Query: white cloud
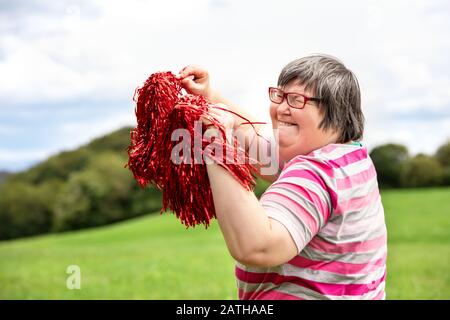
x=103, y=50
x=419, y=136
x=13, y=160
x=75, y=133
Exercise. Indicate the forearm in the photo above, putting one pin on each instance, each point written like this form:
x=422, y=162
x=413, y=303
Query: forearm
x=216, y=97
x=249, y=135
x=242, y=220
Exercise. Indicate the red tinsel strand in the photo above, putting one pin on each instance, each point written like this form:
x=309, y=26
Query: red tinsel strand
x=161, y=109
x=194, y=177
x=154, y=101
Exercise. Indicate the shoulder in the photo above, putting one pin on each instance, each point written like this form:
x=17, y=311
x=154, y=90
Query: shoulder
x=326, y=166
x=310, y=175
x=330, y=157
x=320, y=161
x=342, y=155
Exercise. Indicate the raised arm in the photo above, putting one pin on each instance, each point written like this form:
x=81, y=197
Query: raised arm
x=251, y=236
x=195, y=80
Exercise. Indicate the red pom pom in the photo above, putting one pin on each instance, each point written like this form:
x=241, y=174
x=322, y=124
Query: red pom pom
x=161, y=108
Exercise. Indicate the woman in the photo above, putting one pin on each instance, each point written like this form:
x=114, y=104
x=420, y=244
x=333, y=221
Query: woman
x=318, y=232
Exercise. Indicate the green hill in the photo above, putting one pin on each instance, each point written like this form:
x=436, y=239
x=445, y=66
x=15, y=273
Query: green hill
x=155, y=257
x=3, y=176
x=75, y=189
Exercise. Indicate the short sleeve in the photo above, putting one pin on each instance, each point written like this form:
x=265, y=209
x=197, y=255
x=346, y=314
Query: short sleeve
x=302, y=198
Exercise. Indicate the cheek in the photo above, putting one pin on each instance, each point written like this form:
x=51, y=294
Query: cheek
x=309, y=121
x=273, y=111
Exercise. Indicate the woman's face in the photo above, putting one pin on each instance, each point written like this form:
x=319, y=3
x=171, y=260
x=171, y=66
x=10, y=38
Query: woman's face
x=298, y=129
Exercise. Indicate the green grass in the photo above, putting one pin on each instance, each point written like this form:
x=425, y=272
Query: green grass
x=418, y=223
x=155, y=257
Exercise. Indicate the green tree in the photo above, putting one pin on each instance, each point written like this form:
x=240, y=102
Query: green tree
x=98, y=195
x=443, y=156
x=422, y=171
x=24, y=210
x=103, y=193
x=389, y=161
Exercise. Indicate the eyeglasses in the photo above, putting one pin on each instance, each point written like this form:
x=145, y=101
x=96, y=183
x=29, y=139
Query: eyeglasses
x=294, y=100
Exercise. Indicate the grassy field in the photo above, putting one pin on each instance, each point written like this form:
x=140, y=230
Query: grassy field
x=155, y=257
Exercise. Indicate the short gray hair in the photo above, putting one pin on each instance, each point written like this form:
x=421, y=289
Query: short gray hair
x=328, y=78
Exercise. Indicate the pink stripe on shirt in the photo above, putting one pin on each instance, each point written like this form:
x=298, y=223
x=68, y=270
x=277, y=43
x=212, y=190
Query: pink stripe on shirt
x=332, y=289
x=379, y=296
x=364, y=246
x=266, y=295
x=306, y=193
x=297, y=172
x=357, y=203
x=329, y=148
x=305, y=174
x=322, y=166
x=344, y=268
x=349, y=158
x=356, y=179
x=301, y=212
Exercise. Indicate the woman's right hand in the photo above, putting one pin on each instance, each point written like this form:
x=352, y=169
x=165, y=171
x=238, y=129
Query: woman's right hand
x=195, y=80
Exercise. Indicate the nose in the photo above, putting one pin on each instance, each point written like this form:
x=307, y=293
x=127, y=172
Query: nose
x=283, y=107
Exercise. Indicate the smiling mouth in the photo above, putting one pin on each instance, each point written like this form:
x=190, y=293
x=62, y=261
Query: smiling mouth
x=287, y=124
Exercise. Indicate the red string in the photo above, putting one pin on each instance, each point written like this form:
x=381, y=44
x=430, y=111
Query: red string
x=246, y=121
x=161, y=108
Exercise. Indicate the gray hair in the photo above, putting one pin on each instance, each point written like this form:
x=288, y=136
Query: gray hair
x=337, y=87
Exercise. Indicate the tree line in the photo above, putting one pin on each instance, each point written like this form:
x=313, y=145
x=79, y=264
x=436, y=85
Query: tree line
x=396, y=168
x=89, y=187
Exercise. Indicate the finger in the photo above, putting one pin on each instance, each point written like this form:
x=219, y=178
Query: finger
x=189, y=83
x=193, y=70
x=187, y=79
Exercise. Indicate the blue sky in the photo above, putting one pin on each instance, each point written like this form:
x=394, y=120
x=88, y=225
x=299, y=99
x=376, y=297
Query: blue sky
x=68, y=69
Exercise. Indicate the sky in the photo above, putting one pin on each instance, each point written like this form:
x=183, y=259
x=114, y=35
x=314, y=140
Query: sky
x=69, y=69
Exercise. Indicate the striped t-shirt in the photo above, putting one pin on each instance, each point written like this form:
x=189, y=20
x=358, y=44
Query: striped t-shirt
x=329, y=202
